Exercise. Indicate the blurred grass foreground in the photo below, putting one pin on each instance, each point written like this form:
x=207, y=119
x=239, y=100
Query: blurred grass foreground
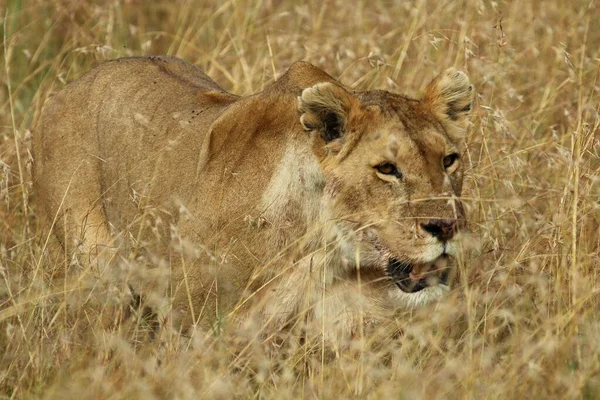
x=522, y=322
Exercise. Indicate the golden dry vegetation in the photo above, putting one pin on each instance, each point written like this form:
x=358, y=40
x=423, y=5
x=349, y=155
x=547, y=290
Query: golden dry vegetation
x=522, y=322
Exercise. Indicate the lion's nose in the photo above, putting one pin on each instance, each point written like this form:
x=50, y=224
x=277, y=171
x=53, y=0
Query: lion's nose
x=443, y=229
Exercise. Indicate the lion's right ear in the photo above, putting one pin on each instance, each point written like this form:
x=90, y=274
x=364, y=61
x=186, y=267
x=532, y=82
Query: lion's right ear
x=449, y=97
x=325, y=108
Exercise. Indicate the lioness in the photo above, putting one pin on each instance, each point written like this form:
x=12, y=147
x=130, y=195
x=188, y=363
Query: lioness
x=308, y=198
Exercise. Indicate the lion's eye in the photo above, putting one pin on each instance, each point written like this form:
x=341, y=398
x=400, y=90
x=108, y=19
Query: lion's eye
x=449, y=160
x=387, y=168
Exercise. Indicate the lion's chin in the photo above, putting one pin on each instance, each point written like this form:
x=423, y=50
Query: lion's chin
x=425, y=296
x=418, y=284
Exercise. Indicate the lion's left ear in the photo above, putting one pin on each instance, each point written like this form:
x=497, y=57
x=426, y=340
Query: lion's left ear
x=450, y=98
x=325, y=108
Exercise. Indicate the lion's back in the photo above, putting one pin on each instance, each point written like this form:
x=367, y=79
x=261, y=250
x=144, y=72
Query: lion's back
x=186, y=73
x=103, y=134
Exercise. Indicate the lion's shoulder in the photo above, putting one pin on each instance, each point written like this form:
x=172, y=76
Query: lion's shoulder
x=299, y=76
x=276, y=106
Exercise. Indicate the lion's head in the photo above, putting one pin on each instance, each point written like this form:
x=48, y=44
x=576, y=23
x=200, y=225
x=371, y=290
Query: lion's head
x=393, y=177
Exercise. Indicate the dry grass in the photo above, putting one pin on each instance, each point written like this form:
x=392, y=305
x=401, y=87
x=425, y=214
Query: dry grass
x=524, y=322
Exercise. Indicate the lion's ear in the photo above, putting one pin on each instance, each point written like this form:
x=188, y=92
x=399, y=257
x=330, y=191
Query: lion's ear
x=325, y=108
x=449, y=97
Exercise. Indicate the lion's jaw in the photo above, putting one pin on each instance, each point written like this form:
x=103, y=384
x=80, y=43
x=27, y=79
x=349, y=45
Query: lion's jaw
x=429, y=295
x=363, y=250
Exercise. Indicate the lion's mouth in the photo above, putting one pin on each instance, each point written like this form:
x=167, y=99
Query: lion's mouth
x=411, y=278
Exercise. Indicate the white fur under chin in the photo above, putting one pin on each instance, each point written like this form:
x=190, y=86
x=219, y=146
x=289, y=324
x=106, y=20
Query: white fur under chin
x=407, y=301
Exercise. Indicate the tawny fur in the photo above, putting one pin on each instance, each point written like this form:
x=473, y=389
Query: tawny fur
x=292, y=221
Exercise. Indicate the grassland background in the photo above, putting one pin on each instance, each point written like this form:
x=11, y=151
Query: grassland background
x=523, y=322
